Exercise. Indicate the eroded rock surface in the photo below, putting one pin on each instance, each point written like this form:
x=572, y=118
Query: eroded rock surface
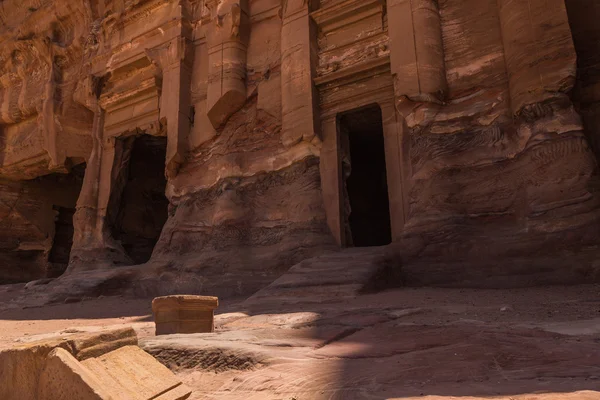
x=301, y=339
x=216, y=143
x=316, y=334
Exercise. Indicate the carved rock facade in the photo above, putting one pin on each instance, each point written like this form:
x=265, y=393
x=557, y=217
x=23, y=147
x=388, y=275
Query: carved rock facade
x=287, y=128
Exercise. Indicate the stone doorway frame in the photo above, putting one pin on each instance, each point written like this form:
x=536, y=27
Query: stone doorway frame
x=157, y=106
x=342, y=97
x=120, y=173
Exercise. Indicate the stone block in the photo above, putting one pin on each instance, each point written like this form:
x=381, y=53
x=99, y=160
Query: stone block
x=64, y=378
x=126, y=373
x=24, y=363
x=131, y=373
x=184, y=314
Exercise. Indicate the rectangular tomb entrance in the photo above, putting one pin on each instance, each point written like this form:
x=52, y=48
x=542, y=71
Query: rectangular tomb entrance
x=139, y=207
x=366, y=203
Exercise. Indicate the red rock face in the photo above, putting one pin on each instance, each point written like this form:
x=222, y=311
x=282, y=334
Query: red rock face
x=479, y=104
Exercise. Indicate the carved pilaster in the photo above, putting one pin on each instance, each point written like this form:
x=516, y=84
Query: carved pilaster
x=299, y=99
x=397, y=167
x=175, y=60
x=87, y=220
x=227, y=38
x=331, y=179
x=417, y=50
x=91, y=230
x=536, y=69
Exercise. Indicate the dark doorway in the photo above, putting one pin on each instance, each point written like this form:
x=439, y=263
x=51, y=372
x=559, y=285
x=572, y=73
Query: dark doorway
x=363, y=159
x=67, y=189
x=63, y=241
x=583, y=19
x=143, y=206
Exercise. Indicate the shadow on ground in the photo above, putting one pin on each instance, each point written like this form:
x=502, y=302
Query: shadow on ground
x=339, y=327
x=312, y=335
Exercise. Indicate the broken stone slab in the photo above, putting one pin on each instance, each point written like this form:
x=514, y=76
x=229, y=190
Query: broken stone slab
x=23, y=364
x=64, y=378
x=131, y=373
x=184, y=314
x=126, y=373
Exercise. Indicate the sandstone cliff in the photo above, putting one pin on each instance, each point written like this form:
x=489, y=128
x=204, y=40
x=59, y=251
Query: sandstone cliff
x=258, y=112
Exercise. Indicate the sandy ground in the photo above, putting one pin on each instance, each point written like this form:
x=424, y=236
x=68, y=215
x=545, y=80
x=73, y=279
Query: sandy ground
x=25, y=322
x=568, y=309
x=299, y=339
x=493, y=341
x=22, y=324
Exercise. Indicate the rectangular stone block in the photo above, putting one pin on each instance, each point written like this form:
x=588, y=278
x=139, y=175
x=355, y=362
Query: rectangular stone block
x=184, y=314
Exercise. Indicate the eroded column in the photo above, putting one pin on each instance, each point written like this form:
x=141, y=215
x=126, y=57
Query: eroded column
x=91, y=236
x=417, y=50
x=227, y=47
x=175, y=61
x=539, y=51
x=298, y=95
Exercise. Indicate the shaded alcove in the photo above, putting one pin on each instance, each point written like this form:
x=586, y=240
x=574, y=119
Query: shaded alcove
x=36, y=224
x=57, y=194
x=64, y=209
x=139, y=208
x=367, y=209
x=583, y=15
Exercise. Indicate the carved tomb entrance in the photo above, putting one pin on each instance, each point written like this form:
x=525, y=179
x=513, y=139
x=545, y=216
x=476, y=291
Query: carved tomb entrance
x=367, y=207
x=36, y=224
x=138, y=206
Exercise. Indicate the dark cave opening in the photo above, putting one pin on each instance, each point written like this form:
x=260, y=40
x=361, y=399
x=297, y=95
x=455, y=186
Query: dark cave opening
x=363, y=155
x=143, y=206
x=583, y=15
x=64, y=209
x=63, y=240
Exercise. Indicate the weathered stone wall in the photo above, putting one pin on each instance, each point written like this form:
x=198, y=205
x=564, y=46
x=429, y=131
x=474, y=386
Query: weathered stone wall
x=484, y=142
x=497, y=147
x=244, y=207
x=503, y=169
